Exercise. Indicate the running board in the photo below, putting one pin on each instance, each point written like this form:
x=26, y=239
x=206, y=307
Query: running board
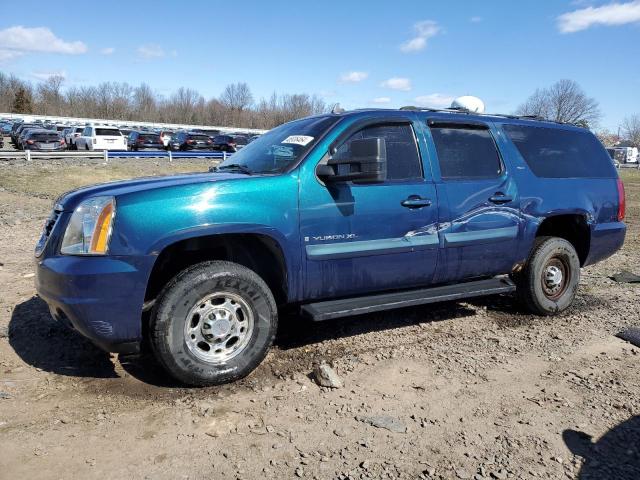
x=387, y=301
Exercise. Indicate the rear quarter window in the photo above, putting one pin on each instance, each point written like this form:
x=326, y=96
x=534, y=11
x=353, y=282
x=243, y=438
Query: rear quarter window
x=561, y=153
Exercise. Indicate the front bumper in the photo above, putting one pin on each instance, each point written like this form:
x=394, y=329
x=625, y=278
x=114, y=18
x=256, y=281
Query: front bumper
x=100, y=297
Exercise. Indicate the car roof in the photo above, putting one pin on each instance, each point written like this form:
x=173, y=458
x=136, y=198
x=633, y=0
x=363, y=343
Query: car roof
x=457, y=115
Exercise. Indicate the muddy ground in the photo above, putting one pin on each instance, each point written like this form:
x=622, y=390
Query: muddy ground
x=465, y=389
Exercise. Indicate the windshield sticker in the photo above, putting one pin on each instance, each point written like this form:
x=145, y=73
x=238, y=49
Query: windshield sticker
x=298, y=139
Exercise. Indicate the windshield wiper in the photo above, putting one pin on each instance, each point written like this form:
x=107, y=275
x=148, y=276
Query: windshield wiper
x=235, y=166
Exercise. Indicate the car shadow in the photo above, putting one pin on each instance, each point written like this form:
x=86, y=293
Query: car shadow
x=44, y=343
x=296, y=331
x=615, y=456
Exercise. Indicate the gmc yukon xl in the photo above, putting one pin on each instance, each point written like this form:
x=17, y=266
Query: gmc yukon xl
x=337, y=215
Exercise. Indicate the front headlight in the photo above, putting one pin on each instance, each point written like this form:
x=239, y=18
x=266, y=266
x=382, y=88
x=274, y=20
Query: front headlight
x=89, y=229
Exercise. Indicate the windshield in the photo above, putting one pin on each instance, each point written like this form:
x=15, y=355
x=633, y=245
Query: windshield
x=278, y=149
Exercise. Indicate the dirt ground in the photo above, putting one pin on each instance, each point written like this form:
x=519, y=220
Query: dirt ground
x=457, y=390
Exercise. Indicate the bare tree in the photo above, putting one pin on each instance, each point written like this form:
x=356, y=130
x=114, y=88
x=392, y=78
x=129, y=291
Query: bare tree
x=144, y=102
x=631, y=129
x=564, y=101
x=10, y=85
x=237, y=96
x=120, y=101
x=50, y=100
x=607, y=138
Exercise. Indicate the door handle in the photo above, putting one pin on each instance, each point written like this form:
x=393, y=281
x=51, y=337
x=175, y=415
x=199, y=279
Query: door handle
x=415, y=201
x=500, y=198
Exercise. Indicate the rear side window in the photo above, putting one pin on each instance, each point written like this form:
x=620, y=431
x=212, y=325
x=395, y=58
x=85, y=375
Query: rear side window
x=403, y=161
x=466, y=152
x=559, y=153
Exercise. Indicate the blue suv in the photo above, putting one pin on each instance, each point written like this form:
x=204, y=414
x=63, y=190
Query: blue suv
x=338, y=215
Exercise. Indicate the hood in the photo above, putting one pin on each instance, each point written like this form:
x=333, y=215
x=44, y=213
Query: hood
x=70, y=200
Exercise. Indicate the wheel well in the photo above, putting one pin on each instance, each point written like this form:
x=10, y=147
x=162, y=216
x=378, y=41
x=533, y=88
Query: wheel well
x=259, y=253
x=573, y=228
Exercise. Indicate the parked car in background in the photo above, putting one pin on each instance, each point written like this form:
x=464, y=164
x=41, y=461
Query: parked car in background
x=209, y=132
x=101, y=138
x=43, y=139
x=224, y=143
x=15, y=134
x=5, y=128
x=241, y=141
x=190, y=141
x=165, y=137
x=627, y=154
x=70, y=134
x=144, y=141
x=23, y=133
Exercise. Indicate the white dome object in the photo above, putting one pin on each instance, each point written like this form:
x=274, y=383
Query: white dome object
x=468, y=103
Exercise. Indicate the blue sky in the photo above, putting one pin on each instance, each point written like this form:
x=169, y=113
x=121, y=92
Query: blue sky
x=360, y=54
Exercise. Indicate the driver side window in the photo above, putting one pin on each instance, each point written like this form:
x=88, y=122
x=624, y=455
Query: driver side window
x=403, y=159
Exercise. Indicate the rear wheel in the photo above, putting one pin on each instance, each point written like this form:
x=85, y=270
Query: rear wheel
x=549, y=281
x=213, y=323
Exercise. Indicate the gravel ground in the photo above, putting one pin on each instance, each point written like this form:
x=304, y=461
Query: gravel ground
x=457, y=390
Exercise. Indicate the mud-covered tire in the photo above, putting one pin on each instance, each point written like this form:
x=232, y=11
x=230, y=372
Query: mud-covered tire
x=548, y=283
x=173, y=309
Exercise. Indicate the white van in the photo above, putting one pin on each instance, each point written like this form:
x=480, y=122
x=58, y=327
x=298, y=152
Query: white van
x=101, y=138
x=627, y=154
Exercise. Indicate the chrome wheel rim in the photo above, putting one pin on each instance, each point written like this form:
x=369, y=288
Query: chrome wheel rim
x=218, y=327
x=555, y=277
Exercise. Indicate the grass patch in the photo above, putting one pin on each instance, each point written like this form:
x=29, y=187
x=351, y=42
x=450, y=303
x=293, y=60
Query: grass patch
x=50, y=179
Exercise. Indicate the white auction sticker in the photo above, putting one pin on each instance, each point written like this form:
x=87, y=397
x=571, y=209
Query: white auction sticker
x=298, y=139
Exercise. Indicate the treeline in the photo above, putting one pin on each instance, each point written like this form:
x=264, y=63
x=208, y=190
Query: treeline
x=120, y=101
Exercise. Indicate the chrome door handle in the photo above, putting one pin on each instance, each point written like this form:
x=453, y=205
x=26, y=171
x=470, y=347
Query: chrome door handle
x=415, y=201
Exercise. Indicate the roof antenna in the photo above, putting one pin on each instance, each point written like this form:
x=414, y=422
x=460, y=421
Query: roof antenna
x=337, y=109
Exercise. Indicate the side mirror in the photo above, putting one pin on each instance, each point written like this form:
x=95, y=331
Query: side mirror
x=366, y=162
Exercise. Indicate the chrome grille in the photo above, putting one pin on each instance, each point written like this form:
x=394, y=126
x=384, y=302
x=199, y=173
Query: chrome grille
x=49, y=224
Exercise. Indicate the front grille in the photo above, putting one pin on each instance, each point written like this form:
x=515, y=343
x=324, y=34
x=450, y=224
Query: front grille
x=49, y=224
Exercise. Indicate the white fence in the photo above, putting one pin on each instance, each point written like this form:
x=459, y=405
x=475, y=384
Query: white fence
x=126, y=123
x=28, y=155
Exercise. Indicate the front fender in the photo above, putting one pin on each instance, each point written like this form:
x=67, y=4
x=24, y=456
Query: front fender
x=147, y=222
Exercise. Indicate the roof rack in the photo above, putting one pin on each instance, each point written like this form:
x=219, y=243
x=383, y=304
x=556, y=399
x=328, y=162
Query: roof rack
x=467, y=112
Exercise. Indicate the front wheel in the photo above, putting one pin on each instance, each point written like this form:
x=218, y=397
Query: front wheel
x=549, y=281
x=213, y=323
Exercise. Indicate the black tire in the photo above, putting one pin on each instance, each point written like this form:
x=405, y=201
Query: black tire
x=540, y=289
x=175, y=303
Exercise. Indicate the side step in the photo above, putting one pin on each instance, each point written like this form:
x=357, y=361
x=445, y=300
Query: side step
x=387, y=301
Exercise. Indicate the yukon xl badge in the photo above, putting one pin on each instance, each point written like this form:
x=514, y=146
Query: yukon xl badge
x=328, y=238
